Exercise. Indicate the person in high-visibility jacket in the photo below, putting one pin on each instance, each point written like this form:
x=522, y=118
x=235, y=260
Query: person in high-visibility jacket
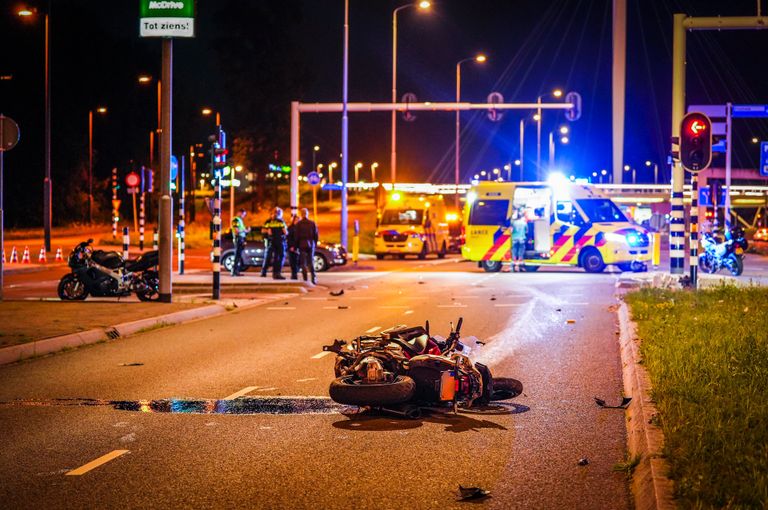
x=239, y=232
x=276, y=230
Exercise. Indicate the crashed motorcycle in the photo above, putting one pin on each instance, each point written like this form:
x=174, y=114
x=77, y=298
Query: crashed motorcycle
x=727, y=254
x=106, y=274
x=407, y=366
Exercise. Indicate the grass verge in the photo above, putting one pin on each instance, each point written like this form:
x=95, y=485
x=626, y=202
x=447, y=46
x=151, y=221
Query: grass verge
x=707, y=355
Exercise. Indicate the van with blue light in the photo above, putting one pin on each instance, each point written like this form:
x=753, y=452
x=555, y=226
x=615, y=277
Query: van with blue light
x=569, y=224
x=412, y=224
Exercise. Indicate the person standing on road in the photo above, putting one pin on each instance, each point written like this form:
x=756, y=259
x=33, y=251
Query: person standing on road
x=239, y=233
x=293, y=248
x=277, y=232
x=268, y=250
x=306, y=240
x=519, y=230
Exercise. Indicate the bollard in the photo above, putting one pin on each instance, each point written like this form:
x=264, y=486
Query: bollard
x=126, y=243
x=59, y=256
x=141, y=222
x=694, y=247
x=356, y=243
x=181, y=218
x=25, y=257
x=656, y=261
x=41, y=258
x=115, y=204
x=14, y=256
x=154, y=240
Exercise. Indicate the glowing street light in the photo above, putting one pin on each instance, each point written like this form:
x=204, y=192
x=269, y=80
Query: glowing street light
x=564, y=130
x=557, y=93
x=102, y=110
x=480, y=58
x=208, y=111
x=374, y=166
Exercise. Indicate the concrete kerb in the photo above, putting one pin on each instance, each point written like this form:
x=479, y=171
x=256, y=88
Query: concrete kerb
x=650, y=486
x=15, y=353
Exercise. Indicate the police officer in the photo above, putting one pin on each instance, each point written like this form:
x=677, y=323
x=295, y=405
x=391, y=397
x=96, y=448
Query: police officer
x=293, y=248
x=277, y=232
x=239, y=233
x=306, y=240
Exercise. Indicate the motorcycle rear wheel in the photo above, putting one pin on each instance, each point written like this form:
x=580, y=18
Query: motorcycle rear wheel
x=345, y=391
x=71, y=289
x=505, y=388
x=736, y=266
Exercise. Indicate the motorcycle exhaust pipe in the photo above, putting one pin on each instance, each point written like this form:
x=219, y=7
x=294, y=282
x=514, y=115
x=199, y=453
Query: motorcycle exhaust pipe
x=410, y=412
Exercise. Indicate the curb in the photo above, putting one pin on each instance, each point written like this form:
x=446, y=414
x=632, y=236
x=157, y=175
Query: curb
x=651, y=488
x=17, y=353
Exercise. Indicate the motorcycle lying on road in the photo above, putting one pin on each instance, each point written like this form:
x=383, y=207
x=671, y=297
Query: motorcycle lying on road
x=106, y=274
x=406, y=365
x=728, y=254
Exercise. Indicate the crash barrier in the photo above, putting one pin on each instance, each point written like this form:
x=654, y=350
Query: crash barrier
x=126, y=243
x=25, y=257
x=154, y=240
x=41, y=257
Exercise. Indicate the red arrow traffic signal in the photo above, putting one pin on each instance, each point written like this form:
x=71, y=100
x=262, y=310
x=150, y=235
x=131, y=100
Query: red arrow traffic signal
x=695, y=142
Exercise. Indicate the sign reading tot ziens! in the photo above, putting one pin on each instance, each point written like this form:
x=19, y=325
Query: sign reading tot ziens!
x=167, y=18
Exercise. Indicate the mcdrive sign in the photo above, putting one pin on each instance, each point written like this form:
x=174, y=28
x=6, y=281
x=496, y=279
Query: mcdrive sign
x=167, y=18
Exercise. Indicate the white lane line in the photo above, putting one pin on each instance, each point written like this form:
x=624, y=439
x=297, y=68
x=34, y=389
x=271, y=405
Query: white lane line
x=337, y=307
x=307, y=379
x=466, y=297
x=505, y=305
x=321, y=354
x=362, y=297
x=408, y=312
x=314, y=299
x=578, y=304
x=281, y=308
x=267, y=389
x=240, y=393
x=393, y=307
x=451, y=306
x=96, y=463
x=373, y=329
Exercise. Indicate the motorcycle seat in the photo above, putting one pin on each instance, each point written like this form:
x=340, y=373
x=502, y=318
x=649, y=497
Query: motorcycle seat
x=143, y=262
x=109, y=259
x=413, y=340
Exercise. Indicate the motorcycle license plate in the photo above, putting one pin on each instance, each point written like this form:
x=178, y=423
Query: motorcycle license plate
x=447, y=386
x=739, y=250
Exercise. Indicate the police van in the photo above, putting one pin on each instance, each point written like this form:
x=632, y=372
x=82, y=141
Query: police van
x=412, y=224
x=569, y=224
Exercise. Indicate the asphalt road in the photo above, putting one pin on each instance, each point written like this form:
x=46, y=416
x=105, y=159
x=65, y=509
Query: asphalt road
x=552, y=330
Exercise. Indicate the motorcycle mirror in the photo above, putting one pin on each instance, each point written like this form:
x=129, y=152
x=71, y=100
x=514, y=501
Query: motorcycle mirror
x=426, y=326
x=90, y=241
x=458, y=326
x=451, y=323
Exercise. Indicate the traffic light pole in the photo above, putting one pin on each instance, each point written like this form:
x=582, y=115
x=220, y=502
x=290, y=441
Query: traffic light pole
x=166, y=206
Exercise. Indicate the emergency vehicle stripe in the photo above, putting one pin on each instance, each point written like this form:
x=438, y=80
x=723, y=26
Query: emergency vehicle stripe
x=498, y=244
x=576, y=247
x=559, y=244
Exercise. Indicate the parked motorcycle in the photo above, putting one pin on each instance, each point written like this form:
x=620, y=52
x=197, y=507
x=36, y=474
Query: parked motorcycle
x=106, y=274
x=728, y=254
x=406, y=365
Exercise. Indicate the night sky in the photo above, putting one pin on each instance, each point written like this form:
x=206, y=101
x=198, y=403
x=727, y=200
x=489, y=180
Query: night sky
x=293, y=49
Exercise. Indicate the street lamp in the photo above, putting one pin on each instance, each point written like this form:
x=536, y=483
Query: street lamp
x=563, y=140
x=101, y=110
x=207, y=112
x=422, y=6
x=603, y=173
x=480, y=59
x=314, y=157
x=28, y=12
x=655, y=171
x=145, y=79
x=374, y=166
x=508, y=168
x=755, y=139
x=557, y=93
x=627, y=168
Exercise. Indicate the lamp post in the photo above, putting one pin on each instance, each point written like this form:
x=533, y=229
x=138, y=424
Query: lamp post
x=627, y=168
x=477, y=58
x=522, y=147
x=25, y=12
x=145, y=79
x=102, y=111
x=603, y=173
x=374, y=166
x=563, y=130
x=558, y=94
x=207, y=111
x=314, y=157
x=655, y=171
x=358, y=166
x=423, y=5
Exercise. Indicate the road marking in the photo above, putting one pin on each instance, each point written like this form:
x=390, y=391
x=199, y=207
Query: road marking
x=240, y=393
x=307, y=379
x=408, y=312
x=373, y=329
x=362, y=297
x=314, y=299
x=321, y=354
x=452, y=306
x=466, y=297
x=281, y=308
x=267, y=389
x=505, y=305
x=393, y=307
x=96, y=463
x=337, y=307
x=578, y=304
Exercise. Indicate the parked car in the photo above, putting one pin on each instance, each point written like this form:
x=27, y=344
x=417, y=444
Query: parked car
x=326, y=255
x=761, y=235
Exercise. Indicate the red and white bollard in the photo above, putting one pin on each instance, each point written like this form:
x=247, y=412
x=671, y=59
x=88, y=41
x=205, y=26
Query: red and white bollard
x=25, y=257
x=126, y=243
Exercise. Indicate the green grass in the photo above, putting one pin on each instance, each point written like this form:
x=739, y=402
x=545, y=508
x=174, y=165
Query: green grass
x=707, y=355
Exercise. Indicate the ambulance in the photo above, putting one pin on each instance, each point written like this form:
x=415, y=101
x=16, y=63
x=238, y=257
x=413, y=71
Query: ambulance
x=412, y=224
x=569, y=224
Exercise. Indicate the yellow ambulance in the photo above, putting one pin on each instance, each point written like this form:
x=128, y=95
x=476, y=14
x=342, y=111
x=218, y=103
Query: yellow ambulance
x=569, y=224
x=412, y=224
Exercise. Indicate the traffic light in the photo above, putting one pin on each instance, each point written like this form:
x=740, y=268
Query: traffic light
x=219, y=154
x=132, y=180
x=695, y=142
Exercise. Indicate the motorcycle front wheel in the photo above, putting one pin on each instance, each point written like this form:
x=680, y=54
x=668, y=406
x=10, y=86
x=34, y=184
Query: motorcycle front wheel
x=71, y=289
x=348, y=391
x=706, y=264
x=151, y=288
x=505, y=388
x=735, y=266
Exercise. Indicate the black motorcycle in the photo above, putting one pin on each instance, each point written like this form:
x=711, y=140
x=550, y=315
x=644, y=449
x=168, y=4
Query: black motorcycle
x=106, y=274
x=728, y=254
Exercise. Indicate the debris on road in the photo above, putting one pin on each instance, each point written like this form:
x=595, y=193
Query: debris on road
x=583, y=461
x=624, y=403
x=468, y=493
x=339, y=293
x=493, y=298
x=343, y=307
x=133, y=364
x=571, y=321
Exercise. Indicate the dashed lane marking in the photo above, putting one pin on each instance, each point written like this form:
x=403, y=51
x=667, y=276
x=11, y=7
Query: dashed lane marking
x=96, y=463
x=281, y=308
x=393, y=307
x=452, y=306
x=408, y=312
x=506, y=305
x=373, y=329
x=307, y=379
x=321, y=354
x=267, y=389
x=314, y=299
x=240, y=393
x=362, y=297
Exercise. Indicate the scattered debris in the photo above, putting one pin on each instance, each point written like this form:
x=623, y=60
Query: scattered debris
x=422, y=282
x=583, y=461
x=558, y=309
x=571, y=321
x=479, y=342
x=467, y=493
x=624, y=403
x=343, y=307
x=339, y=293
x=493, y=298
x=133, y=364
